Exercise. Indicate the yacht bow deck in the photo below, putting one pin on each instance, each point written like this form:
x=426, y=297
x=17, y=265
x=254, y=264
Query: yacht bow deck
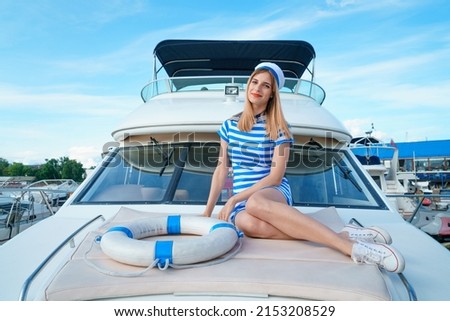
x=262, y=268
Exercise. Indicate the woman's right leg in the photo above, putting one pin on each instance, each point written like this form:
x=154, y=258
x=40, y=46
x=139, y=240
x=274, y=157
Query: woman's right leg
x=275, y=216
x=254, y=227
x=269, y=206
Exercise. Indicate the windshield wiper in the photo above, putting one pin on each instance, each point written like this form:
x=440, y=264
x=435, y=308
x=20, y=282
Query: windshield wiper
x=346, y=173
x=166, y=157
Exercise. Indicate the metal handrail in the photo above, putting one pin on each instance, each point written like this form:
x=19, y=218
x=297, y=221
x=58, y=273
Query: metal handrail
x=27, y=283
x=162, y=86
x=418, y=195
x=421, y=196
x=17, y=195
x=411, y=292
x=409, y=288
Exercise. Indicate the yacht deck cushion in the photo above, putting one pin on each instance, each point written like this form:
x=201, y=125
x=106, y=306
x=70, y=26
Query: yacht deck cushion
x=262, y=268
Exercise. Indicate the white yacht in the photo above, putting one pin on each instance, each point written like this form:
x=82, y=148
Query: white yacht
x=154, y=183
x=370, y=151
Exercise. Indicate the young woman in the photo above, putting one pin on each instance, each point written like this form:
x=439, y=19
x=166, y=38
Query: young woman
x=256, y=143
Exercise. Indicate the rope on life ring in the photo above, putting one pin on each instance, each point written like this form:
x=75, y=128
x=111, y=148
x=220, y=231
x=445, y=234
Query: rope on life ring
x=122, y=243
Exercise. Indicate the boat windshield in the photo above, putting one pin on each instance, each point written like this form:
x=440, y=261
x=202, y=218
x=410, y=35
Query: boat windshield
x=180, y=173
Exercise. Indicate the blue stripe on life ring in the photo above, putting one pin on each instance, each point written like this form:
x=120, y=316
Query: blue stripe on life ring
x=163, y=251
x=122, y=229
x=228, y=225
x=219, y=225
x=173, y=224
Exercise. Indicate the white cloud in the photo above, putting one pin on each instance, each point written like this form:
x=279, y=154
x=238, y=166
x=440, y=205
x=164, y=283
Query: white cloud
x=37, y=126
x=361, y=128
x=38, y=99
x=89, y=156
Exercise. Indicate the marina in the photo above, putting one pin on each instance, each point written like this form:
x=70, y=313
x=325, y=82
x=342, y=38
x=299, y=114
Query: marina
x=411, y=196
x=25, y=202
x=155, y=183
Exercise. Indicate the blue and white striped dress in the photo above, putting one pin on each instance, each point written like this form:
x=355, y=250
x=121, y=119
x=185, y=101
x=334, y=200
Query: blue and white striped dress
x=251, y=154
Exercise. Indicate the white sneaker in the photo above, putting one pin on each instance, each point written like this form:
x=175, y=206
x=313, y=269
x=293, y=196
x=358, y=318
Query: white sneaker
x=367, y=234
x=375, y=253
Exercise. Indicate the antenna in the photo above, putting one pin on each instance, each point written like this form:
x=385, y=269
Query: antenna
x=370, y=131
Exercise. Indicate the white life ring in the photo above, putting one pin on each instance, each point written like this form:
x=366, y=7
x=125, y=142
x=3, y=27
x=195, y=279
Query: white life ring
x=122, y=243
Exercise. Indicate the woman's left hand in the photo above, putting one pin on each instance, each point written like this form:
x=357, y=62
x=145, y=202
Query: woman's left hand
x=226, y=210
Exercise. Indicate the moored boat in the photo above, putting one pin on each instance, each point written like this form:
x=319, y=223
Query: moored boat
x=402, y=189
x=23, y=205
x=373, y=154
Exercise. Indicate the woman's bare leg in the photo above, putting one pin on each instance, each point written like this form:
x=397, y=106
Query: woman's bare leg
x=273, y=218
x=254, y=227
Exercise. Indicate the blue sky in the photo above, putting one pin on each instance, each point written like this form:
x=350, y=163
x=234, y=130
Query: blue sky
x=71, y=70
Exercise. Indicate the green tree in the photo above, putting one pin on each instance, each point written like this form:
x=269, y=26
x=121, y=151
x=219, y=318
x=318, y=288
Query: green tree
x=4, y=164
x=16, y=169
x=50, y=170
x=62, y=168
x=72, y=169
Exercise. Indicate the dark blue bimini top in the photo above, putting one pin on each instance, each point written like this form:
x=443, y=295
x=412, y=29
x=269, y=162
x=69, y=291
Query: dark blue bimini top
x=187, y=58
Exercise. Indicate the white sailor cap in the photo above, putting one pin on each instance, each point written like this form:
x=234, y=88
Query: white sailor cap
x=274, y=70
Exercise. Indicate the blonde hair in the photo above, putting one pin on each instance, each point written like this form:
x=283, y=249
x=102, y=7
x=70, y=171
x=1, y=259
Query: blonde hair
x=275, y=120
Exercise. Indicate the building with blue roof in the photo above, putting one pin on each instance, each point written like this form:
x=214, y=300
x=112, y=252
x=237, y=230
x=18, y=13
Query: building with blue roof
x=429, y=160
x=424, y=149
